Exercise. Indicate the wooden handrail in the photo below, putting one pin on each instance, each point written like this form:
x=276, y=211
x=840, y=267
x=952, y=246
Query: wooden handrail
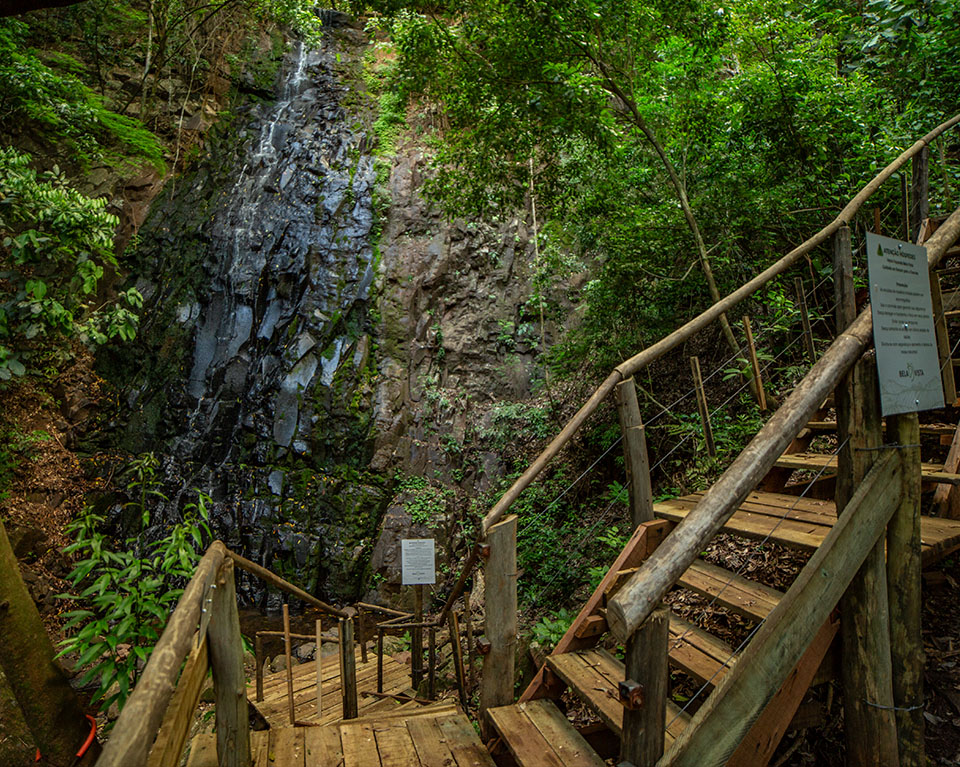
x=275, y=580
x=138, y=723
x=643, y=592
x=698, y=323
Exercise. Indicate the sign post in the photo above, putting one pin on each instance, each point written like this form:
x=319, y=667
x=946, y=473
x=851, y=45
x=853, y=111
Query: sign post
x=908, y=363
x=418, y=568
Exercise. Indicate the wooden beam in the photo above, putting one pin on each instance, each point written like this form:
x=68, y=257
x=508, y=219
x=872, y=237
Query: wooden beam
x=943, y=340
x=754, y=365
x=905, y=599
x=781, y=641
x=702, y=407
x=760, y=743
x=319, y=664
x=136, y=727
x=288, y=664
x=920, y=189
x=867, y=676
x=500, y=626
x=805, y=319
x=645, y=659
x=635, y=457
x=168, y=747
x=275, y=580
x=843, y=290
x=229, y=680
x=457, y=648
x=348, y=669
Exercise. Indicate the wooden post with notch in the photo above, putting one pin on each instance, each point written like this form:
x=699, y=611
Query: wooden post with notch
x=903, y=583
x=647, y=678
x=288, y=663
x=348, y=669
x=319, y=662
x=703, y=407
x=805, y=319
x=754, y=365
x=635, y=453
x=920, y=189
x=867, y=675
x=229, y=680
x=500, y=626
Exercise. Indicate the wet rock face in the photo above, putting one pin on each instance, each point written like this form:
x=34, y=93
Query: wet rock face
x=259, y=268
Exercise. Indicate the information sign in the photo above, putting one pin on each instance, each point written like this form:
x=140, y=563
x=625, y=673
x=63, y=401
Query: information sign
x=907, y=361
x=417, y=561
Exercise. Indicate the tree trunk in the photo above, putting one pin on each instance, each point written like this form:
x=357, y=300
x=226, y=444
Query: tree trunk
x=49, y=704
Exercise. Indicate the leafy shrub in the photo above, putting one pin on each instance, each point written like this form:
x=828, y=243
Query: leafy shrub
x=126, y=593
x=57, y=244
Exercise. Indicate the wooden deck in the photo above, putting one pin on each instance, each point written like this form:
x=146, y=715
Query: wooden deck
x=804, y=522
x=929, y=472
x=430, y=736
x=274, y=706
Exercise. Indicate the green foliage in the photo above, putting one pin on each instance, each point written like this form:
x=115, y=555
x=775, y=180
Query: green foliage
x=57, y=107
x=425, y=503
x=546, y=632
x=16, y=446
x=125, y=593
x=57, y=244
x=513, y=422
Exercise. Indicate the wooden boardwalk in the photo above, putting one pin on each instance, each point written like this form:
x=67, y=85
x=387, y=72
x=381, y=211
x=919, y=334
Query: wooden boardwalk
x=430, y=736
x=275, y=707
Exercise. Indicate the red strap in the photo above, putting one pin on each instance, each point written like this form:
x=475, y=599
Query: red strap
x=88, y=741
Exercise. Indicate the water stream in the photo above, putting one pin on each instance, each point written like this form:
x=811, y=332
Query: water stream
x=277, y=224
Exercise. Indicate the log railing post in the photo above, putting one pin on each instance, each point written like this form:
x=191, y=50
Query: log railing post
x=646, y=669
x=229, y=682
x=703, y=407
x=903, y=582
x=869, y=723
x=416, y=639
x=496, y=687
x=348, y=669
x=635, y=453
x=843, y=290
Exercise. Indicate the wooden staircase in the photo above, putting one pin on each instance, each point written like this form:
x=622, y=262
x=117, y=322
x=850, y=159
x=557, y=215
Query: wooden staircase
x=535, y=732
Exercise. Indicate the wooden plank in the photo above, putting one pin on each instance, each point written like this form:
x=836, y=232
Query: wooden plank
x=566, y=742
x=203, y=750
x=642, y=736
x=395, y=745
x=524, y=741
x=229, y=679
x=926, y=429
x=813, y=461
x=621, y=577
x=430, y=743
x=706, y=658
x=287, y=746
x=582, y=671
x=359, y=745
x=720, y=724
x=758, y=747
x=747, y=598
x=500, y=622
x=463, y=742
x=633, y=553
x=593, y=626
x=168, y=746
x=321, y=746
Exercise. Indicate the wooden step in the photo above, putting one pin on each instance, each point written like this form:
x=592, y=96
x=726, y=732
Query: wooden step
x=744, y=597
x=594, y=675
x=803, y=523
x=929, y=472
x=927, y=429
x=703, y=656
x=538, y=735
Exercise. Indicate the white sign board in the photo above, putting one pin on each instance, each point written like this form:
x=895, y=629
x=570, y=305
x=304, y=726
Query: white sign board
x=417, y=561
x=907, y=361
